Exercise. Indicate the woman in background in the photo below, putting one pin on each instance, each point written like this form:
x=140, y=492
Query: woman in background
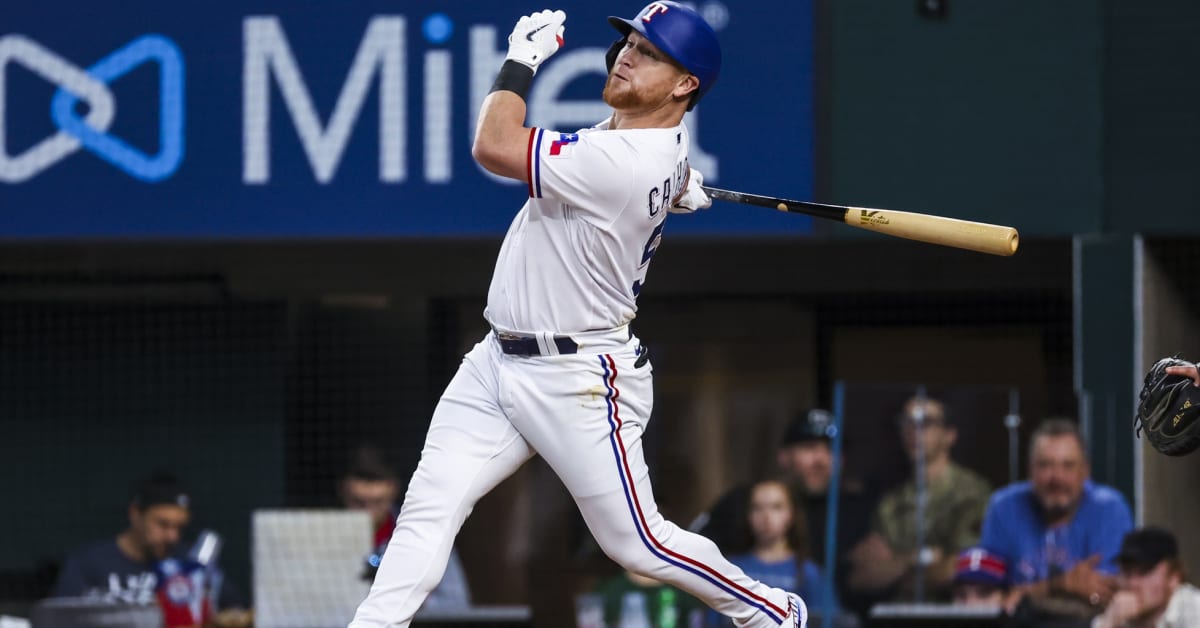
x=778, y=553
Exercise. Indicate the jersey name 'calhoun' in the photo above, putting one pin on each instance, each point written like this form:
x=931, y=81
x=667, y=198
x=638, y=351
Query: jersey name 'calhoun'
x=659, y=199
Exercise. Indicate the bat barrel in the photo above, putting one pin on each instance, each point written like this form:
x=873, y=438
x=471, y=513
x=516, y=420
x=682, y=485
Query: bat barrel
x=963, y=234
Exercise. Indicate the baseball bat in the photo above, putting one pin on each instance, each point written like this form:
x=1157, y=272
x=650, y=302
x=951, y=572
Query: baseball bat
x=963, y=234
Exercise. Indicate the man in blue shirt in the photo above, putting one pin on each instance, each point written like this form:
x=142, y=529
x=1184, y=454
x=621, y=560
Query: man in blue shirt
x=1059, y=532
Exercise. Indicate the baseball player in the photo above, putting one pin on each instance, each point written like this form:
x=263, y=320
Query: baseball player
x=561, y=374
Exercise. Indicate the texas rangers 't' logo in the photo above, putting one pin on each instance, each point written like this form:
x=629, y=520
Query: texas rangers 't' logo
x=654, y=8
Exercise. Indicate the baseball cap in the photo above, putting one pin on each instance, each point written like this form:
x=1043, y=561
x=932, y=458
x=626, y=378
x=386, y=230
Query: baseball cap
x=979, y=566
x=815, y=424
x=1146, y=547
x=161, y=487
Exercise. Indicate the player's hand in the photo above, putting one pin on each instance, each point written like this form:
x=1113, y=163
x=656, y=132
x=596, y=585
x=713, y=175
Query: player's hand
x=536, y=37
x=1189, y=372
x=693, y=196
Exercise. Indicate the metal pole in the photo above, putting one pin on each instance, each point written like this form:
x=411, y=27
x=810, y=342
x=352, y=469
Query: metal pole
x=828, y=608
x=918, y=418
x=1012, y=421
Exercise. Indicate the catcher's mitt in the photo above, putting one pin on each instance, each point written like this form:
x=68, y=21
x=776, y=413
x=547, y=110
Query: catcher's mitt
x=1169, y=410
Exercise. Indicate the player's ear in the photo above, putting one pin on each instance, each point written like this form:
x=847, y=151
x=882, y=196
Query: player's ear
x=687, y=84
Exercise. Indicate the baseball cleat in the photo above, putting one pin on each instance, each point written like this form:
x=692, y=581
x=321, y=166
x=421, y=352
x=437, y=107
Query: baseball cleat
x=797, y=616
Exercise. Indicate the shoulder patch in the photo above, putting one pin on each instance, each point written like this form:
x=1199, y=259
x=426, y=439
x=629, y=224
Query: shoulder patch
x=564, y=141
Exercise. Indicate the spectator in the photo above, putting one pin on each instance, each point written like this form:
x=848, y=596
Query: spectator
x=778, y=554
x=370, y=483
x=145, y=564
x=979, y=578
x=886, y=562
x=1058, y=532
x=1152, y=590
x=805, y=462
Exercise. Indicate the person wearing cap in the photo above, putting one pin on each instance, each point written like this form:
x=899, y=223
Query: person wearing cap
x=1059, y=532
x=979, y=578
x=144, y=563
x=122, y=568
x=805, y=462
x=1152, y=588
x=886, y=562
x=806, y=456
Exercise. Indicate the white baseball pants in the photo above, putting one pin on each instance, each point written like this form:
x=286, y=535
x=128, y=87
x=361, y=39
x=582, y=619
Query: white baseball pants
x=584, y=414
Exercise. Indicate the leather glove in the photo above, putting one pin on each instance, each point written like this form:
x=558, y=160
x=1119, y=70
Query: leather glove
x=1169, y=409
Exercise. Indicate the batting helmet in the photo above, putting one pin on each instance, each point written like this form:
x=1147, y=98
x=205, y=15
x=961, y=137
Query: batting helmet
x=683, y=35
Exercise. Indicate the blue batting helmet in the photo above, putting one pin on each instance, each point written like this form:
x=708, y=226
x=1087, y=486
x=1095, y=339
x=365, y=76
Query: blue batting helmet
x=683, y=35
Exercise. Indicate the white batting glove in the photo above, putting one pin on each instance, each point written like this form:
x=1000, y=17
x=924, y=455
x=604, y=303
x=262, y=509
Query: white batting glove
x=536, y=37
x=693, y=197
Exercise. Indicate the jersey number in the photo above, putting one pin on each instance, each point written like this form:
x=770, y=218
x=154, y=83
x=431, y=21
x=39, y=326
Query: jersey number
x=647, y=253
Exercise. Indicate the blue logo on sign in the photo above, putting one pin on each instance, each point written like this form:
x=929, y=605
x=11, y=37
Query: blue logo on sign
x=113, y=149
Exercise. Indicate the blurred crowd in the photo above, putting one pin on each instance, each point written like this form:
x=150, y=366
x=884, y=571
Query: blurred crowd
x=149, y=564
x=1055, y=550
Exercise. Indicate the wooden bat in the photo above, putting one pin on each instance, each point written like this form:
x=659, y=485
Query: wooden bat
x=963, y=234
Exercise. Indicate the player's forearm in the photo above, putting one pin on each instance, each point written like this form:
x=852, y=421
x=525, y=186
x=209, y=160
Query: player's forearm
x=501, y=138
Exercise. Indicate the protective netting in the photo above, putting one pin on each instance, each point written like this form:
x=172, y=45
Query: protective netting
x=255, y=391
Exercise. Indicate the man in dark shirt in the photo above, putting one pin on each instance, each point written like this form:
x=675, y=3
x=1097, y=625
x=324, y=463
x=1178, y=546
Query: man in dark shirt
x=122, y=568
x=143, y=564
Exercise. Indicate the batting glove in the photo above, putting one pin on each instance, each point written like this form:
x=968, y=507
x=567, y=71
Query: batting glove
x=536, y=37
x=693, y=197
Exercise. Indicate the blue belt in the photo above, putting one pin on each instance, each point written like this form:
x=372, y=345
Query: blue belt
x=528, y=345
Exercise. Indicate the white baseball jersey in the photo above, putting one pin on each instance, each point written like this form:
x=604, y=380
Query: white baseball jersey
x=572, y=262
x=597, y=201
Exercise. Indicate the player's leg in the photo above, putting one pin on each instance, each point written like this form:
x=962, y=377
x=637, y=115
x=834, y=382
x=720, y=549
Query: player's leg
x=659, y=549
x=585, y=416
x=470, y=447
